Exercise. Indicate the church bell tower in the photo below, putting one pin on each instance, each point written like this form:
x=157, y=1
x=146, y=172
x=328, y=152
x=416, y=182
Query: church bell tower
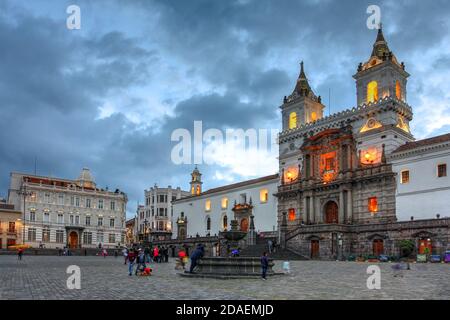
x=196, y=182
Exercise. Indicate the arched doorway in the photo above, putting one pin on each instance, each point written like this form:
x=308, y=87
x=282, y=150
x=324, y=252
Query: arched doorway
x=331, y=212
x=378, y=247
x=425, y=246
x=244, y=224
x=315, y=249
x=73, y=240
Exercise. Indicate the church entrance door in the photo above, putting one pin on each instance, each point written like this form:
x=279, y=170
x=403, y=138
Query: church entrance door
x=378, y=247
x=314, y=249
x=331, y=212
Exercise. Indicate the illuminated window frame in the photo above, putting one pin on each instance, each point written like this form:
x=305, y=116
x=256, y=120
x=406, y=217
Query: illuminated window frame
x=372, y=91
x=405, y=177
x=224, y=203
x=441, y=170
x=264, y=195
x=291, y=214
x=293, y=120
x=372, y=205
x=208, y=205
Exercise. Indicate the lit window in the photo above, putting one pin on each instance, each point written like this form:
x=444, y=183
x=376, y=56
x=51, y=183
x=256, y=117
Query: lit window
x=398, y=90
x=313, y=116
x=291, y=174
x=292, y=120
x=404, y=176
x=373, y=204
x=372, y=91
x=442, y=170
x=369, y=156
x=224, y=203
x=193, y=190
x=291, y=215
x=198, y=190
x=208, y=205
x=264, y=195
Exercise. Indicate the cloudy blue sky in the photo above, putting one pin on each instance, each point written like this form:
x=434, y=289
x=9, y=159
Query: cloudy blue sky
x=109, y=95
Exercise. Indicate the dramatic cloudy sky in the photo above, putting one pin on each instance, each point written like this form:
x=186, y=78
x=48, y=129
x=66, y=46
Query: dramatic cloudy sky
x=109, y=96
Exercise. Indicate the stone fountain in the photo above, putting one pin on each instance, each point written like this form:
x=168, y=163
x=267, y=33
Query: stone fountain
x=227, y=267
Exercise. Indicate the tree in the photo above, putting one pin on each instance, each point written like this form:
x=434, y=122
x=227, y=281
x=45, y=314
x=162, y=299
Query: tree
x=406, y=247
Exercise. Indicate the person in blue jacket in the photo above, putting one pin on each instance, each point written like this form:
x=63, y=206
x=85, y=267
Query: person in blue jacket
x=264, y=265
x=197, y=254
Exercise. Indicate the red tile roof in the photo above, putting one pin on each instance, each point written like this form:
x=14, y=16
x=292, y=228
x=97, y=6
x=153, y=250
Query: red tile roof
x=424, y=142
x=234, y=185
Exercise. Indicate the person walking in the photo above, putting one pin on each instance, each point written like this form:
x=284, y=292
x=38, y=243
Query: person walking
x=182, y=257
x=140, y=262
x=270, y=244
x=19, y=253
x=125, y=255
x=147, y=254
x=131, y=258
x=196, y=255
x=264, y=265
x=115, y=253
x=156, y=254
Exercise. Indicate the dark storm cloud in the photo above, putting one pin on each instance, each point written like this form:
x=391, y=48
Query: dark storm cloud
x=246, y=53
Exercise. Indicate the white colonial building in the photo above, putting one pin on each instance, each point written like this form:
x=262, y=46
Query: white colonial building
x=423, y=185
x=209, y=212
x=154, y=220
x=72, y=213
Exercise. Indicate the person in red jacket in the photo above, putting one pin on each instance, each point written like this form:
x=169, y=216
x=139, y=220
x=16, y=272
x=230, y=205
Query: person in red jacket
x=156, y=254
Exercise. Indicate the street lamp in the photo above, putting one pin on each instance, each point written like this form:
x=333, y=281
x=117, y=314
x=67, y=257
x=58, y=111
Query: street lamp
x=23, y=192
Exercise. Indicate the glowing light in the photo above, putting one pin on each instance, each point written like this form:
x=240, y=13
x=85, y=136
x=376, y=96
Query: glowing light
x=373, y=205
x=370, y=156
x=224, y=203
x=313, y=116
x=398, y=90
x=291, y=215
x=208, y=205
x=264, y=195
x=292, y=120
x=372, y=91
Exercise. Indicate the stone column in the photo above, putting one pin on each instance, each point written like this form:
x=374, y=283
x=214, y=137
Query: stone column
x=317, y=210
x=349, y=206
x=283, y=230
x=251, y=236
x=306, y=210
x=312, y=212
x=341, y=207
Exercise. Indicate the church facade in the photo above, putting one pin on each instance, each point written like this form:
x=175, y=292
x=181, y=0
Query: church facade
x=337, y=190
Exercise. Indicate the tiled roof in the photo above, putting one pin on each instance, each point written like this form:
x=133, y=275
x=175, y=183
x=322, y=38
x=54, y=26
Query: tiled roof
x=424, y=142
x=234, y=186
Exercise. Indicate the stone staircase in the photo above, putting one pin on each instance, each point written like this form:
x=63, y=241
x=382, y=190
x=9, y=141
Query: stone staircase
x=280, y=254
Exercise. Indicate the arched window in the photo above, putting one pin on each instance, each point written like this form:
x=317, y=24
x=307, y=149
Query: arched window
x=292, y=120
x=313, y=116
x=372, y=91
x=198, y=190
x=398, y=90
x=225, y=222
x=208, y=223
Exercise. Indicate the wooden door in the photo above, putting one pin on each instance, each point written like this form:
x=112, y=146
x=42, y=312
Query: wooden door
x=378, y=247
x=331, y=212
x=425, y=244
x=314, y=249
x=73, y=240
x=244, y=224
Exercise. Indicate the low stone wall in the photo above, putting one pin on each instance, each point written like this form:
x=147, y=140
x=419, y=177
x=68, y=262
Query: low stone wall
x=358, y=239
x=56, y=252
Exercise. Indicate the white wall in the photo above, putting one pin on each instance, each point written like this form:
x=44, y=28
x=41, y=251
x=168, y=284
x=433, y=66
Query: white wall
x=194, y=209
x=425, y=195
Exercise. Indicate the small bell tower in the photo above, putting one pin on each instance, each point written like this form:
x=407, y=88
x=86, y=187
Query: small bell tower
x=196, y=182
x=381, y=76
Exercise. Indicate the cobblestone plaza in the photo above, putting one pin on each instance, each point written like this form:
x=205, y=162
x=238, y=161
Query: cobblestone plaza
x=44, y=277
